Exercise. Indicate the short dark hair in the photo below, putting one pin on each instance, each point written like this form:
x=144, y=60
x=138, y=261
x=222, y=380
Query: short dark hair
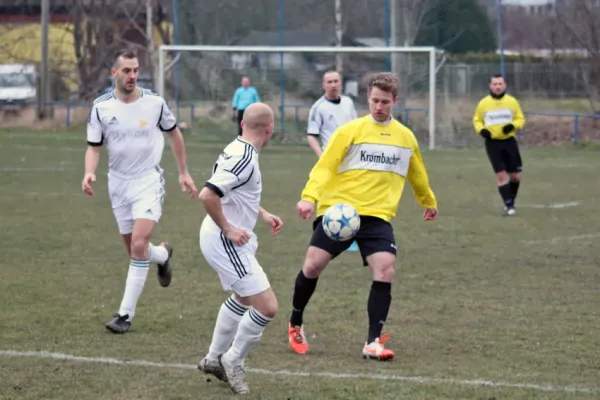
x=496, y=76
x=385, y=81
x=332, y=71
x=126, y=54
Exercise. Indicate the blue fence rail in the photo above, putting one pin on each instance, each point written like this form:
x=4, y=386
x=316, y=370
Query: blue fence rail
x=406, y=112
x=577, y=117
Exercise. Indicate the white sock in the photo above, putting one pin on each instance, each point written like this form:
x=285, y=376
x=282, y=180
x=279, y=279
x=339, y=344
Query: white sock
x=157, y=254
x=248, y=334
x=229, y=318
x=136, y=278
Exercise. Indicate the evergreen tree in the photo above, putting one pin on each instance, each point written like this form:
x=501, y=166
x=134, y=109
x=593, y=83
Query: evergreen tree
x=457, y=26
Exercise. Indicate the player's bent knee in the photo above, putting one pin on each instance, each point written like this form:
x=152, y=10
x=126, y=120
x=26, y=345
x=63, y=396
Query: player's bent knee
x=501, y=178
x=268, y=309
x=382, y=266
x=264, y=302
x=515, y=177
x=315, y=262
x=384, y=273
x=139, y=247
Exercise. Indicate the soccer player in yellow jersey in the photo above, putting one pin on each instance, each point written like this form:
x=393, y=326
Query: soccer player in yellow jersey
x=497, y=119
x=366, y=164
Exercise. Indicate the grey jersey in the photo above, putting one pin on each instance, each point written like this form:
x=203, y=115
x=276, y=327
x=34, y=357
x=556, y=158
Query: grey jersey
x=326, y=116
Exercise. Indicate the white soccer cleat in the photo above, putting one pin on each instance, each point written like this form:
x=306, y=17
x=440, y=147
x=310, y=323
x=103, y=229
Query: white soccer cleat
x=236, y=376
x=377, y=351
x=509, y=212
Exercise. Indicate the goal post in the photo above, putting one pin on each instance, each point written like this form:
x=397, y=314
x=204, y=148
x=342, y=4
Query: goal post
x=210, y=66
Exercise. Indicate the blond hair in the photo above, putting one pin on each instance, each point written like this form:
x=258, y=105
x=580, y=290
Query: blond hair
x=385, y=81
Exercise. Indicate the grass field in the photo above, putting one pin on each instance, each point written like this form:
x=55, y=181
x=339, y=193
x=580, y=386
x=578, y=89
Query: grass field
x=484, y=307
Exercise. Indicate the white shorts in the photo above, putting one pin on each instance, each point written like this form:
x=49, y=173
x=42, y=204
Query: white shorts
x=140, y=198
x=236, y=266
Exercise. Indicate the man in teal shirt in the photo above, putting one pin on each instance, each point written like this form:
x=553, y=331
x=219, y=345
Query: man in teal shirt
x=242, y=98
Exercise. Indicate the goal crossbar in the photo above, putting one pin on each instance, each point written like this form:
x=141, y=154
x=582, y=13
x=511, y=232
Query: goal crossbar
x=432, y=51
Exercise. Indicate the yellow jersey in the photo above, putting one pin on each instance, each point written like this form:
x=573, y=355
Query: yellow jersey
x=366, y=165
x=494, y=113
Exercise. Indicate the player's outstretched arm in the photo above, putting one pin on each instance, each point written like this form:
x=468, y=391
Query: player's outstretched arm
x=327, y=165
x=178, y=149
x=419, y=181
x=92, y=158
x=212, y=204
x=270, y=219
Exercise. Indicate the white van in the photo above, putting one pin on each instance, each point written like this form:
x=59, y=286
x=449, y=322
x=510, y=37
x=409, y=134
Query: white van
x=18, y=85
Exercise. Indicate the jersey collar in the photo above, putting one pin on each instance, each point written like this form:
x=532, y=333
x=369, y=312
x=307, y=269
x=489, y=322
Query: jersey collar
x=389, y=121
x=248, y=143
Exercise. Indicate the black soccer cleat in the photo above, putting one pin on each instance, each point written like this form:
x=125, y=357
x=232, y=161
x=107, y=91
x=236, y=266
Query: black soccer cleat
x=164, y=272
x=119, y=324
x=212, y=367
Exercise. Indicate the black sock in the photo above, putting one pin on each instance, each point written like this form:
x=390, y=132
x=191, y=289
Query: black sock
x=303, y=290
x=514, y=187
x=506, y=193
x=378, y=306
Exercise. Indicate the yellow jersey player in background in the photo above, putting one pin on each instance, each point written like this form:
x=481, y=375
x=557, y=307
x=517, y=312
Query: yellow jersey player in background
x=497, y=119
x=366, y=164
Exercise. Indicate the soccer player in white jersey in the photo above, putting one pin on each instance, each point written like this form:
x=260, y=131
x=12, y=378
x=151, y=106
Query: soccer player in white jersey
x=328, y=113
x=129, y=121
x=231, y=198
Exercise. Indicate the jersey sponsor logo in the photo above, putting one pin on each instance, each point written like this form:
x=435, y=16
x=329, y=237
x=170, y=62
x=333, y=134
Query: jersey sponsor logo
x=377, y=157
x=501, y=116
x=381, y=158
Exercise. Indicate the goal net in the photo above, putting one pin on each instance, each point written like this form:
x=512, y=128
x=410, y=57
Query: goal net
x=199, y=83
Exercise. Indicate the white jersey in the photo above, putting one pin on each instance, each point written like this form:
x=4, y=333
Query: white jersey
x=236, y=179
x=326, y=116
x=131, y=132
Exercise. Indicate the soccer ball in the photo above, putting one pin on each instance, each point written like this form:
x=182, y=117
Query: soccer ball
x=341, y=222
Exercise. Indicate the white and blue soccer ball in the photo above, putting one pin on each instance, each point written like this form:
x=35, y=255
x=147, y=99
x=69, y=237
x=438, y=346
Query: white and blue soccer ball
x=341, y=222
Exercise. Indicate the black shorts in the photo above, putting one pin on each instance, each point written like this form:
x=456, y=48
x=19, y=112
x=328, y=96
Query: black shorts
x=504, y=155
x=375, y=235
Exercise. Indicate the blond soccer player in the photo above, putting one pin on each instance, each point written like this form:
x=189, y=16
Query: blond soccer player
x=366, y=164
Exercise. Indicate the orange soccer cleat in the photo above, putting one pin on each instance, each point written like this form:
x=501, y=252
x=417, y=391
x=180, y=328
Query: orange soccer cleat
x=298, y=341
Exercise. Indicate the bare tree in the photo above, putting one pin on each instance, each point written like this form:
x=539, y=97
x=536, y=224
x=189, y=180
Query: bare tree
x=577, y=22
x=409, y=15
x=101, y=27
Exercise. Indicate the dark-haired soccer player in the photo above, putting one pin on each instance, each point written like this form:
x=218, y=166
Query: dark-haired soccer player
x=497, y=119
x=366, y=164
x=129, y=122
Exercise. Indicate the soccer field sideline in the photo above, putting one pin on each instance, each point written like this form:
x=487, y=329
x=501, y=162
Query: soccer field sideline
x=331, y=375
